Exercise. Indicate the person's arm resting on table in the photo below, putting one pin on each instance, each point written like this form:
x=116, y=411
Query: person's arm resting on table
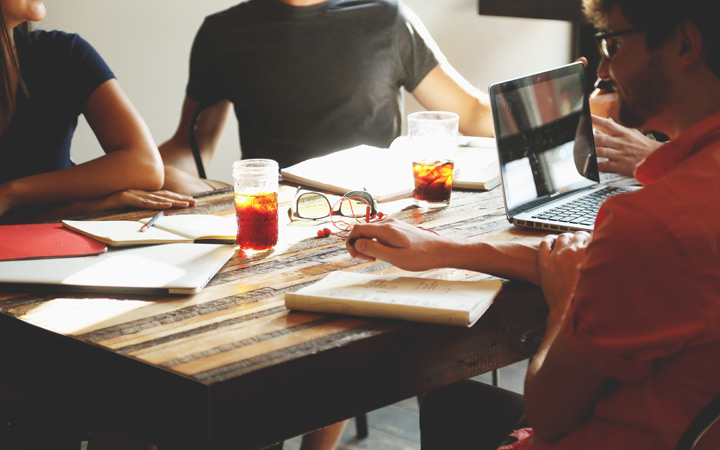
x=560, y=388
x=181, y=173
x=412, y=248
x=131, y=162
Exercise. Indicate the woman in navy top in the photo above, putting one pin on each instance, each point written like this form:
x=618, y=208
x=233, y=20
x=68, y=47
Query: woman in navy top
x=47, y=79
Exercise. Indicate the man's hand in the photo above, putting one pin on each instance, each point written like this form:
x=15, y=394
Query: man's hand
x=559, y=262
x=623, y=147
x=404, y=246
x=177, y=180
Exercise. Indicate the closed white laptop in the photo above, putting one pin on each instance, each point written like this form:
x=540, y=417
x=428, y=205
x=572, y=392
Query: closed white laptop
x=546, y=150
x=165, y=268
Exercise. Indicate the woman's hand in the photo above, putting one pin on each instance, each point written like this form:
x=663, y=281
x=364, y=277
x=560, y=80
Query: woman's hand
x=134, y=198
x=130, y=198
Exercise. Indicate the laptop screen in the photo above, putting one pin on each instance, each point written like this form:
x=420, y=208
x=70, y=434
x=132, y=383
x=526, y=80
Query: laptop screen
x=544, y=136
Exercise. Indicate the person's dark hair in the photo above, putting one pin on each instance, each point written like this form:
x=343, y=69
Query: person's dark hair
x=660, y=17
x=8, y=65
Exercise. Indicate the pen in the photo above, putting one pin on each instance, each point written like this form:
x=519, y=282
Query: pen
x=151, y=222
x=603, y=86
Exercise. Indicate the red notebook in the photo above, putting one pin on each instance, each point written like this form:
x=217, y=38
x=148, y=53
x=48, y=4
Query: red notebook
x=45, y=240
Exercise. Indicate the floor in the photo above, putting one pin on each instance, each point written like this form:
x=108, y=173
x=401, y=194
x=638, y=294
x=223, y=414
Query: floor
x=395, y=427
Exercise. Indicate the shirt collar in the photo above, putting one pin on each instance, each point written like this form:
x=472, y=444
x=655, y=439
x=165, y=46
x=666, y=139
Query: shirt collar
x=670, y=155
x=285, y=10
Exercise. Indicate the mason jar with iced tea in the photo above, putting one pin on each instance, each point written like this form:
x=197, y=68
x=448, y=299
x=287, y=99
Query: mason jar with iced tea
x=256, y=203
x=432, y=141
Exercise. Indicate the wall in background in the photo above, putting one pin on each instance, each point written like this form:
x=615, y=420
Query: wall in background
x=147, y=45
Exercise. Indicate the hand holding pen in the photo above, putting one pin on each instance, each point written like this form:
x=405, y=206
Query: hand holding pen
x=150, y=222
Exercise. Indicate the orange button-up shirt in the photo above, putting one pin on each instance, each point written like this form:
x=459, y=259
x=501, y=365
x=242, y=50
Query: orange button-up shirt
x=646, y=311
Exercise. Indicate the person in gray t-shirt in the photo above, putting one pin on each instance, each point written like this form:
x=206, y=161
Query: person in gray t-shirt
x=309, y=77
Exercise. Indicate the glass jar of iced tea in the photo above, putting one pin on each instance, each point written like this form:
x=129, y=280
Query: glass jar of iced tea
x=432, y=138
x=256, y=203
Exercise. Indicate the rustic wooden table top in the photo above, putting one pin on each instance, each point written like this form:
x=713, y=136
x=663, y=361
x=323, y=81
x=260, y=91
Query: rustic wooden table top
x=231, y=368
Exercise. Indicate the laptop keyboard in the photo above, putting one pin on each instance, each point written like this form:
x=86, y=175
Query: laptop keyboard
x=581, y=211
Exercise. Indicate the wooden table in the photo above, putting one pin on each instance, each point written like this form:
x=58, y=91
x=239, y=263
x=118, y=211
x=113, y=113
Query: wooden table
x=231, y=368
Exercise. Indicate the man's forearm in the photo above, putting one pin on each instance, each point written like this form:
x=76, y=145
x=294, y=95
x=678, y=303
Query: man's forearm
x=511, y=260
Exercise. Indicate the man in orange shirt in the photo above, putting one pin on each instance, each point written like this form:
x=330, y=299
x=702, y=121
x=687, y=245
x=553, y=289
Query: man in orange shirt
x=630, y=354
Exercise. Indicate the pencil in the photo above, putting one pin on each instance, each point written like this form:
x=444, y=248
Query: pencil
x=151, y=222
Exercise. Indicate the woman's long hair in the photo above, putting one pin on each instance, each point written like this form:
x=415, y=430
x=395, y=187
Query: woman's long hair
x=8, y=65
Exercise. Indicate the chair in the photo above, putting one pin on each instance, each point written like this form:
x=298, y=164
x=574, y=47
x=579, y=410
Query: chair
x=703, y=421
x=193, y=140
x=195, y=148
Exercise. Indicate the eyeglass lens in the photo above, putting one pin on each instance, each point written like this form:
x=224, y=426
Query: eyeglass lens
x=608, y=46
x=609, y=42
x=313, y=205
x=353, y=206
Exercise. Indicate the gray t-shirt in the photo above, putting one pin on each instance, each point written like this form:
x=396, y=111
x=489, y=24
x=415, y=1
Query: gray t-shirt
x=306, y=81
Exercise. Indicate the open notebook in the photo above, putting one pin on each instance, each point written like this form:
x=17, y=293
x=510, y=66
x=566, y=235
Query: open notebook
x=44, y=240
x=166, y=268
x=167, y=229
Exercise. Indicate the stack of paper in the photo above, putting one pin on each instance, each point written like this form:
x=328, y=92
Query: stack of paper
x=476, y=164
x=73, y=256
x=386, y=175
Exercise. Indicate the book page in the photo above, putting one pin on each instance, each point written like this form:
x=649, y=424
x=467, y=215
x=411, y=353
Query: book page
x=410, y=298
x=199, y=226
x=122, y=232
x=476, y=168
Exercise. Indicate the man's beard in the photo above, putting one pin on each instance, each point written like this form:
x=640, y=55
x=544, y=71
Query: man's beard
x=647, y=95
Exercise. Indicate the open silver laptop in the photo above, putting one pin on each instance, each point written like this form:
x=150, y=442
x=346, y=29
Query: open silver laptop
x=546, y=150
x=153, y=269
